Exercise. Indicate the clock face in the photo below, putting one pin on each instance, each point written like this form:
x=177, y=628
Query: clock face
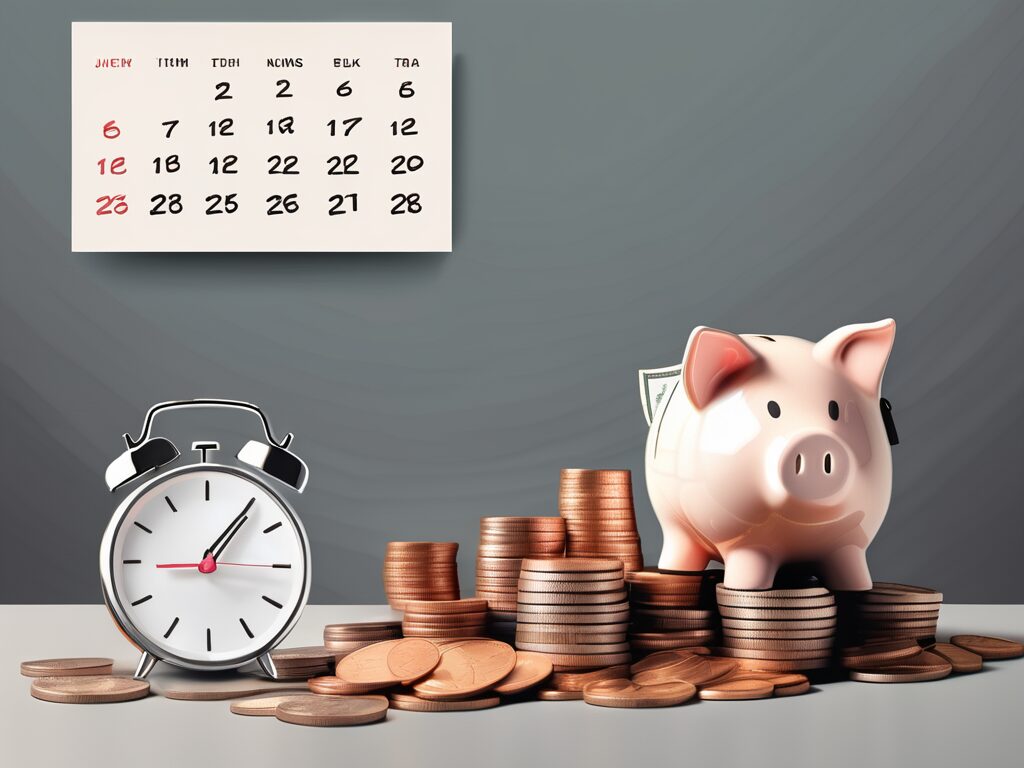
x=207, y=564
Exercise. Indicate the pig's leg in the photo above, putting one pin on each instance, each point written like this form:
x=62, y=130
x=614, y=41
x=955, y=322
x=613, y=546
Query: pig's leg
x=749, y=568
x=846, y=569
x=680, y=552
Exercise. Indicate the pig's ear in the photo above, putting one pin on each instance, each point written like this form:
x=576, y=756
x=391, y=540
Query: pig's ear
x=711, y=357
x=859, y=352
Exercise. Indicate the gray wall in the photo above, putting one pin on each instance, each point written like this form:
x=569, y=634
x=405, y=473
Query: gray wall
x=624, y=171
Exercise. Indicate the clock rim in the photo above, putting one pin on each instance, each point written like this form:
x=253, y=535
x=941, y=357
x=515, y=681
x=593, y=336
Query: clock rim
x=120, y=615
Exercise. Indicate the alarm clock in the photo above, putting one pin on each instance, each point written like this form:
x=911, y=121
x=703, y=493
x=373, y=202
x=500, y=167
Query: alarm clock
x=205, y=566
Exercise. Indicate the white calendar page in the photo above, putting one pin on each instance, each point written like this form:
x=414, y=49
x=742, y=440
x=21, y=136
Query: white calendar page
x=261, y=136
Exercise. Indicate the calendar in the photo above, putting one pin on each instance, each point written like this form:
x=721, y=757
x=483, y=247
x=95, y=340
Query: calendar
x=261, y=136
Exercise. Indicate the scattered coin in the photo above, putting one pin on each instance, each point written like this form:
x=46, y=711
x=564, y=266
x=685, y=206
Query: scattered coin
x=263, y=706
x=552, y=694
x=925, y=666
x=333, y=711
x=735, y=690
x=416, y=704
x=83, y=689
x=576, y=681
x=332, y=685
x=91, y=666
x=960, y=659
x=531, y=669
x=873, y=654
x=389, y=663
x=989, y=648
x=466, y=668
x=631, y=695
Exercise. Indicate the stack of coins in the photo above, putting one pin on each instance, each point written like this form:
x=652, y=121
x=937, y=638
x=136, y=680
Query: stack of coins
x=897, y=612
x=342, y=639
x=445, y=619
x=597, y=505
x=667, y=612
x=779, y=630
x=303, y=663
x=504, y=542
x=420, y=570
x=574, y=611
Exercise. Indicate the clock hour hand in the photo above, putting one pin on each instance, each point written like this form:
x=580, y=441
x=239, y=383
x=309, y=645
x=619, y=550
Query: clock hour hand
x=229, y=531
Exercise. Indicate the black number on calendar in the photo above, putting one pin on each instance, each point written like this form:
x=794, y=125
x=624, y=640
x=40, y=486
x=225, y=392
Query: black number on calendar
x=406, y=204
x=348, y=123
x=286, y=165
x=221, y=204
x=169, y=164
x=280, y=205
x=222, y=91
x=338, y=166
x=224, y=164
x=401, y=164
x=165, y=204
x=222, y=127
x=170, y=125
x=345, y=89
x=338, y=206
x=404, y=127
x=281, y=125
x=283, y=85
x=405, y=90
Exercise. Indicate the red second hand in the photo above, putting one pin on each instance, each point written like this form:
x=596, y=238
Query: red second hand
x=196, y=565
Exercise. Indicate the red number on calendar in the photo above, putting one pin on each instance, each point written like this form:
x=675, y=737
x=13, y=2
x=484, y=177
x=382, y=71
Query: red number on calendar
x=111, y=204
x=116, y=166
x=110, y=130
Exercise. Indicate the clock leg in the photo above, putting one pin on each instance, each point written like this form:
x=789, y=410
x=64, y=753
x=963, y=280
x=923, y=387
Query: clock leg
x=146, y=664
x=267, y=665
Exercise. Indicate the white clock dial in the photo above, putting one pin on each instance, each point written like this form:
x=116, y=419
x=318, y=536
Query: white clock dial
x=208, y=565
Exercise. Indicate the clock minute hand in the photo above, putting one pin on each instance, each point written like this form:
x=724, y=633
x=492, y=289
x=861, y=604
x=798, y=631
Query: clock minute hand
x=217, y=552
x=229, y=530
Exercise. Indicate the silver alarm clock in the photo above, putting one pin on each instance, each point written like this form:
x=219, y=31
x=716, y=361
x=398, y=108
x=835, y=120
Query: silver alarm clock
x=206, y=565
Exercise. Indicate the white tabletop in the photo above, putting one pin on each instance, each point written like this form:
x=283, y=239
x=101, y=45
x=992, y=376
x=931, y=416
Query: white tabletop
x=961, y=721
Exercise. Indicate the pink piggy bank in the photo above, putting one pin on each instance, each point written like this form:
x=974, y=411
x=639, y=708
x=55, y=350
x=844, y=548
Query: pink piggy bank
x=766, y=450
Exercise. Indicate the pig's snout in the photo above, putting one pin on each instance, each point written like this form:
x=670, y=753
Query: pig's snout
x=814, y=467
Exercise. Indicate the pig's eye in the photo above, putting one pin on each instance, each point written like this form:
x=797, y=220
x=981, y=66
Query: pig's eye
x=833, y=410
x=773, y=409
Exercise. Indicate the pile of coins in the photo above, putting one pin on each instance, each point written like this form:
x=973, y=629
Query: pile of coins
x=574, y=611
x=667, y=610
x=445, y=619
x=504, y=543
x=779, y=630
x=897, y=612
x=600, y=522
x=342, y=639
x=420, y=570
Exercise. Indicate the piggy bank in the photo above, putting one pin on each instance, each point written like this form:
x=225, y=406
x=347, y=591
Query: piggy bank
x=767, y=450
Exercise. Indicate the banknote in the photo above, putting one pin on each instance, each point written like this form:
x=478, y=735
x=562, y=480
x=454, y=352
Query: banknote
x=655, y=383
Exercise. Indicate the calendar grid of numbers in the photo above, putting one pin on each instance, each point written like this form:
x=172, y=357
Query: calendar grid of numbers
x=261, y=136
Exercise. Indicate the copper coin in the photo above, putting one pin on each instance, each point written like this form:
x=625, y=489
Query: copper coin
x=618, y=475
x=466, y=605
x=873, y=654
x=736, y=690
x=564, y=662
x=91, y=666
x=389, y=663
x=698, y=670
x=448, y=634
x=643, y=624
x=576, y=630
x=779, y=624
x=569, y=638
x=443, y=619
x=682, y=634
x=84, y=689
x=622, y=647
x=777, y=614
x=421, y=546
x=412, y=703
x=759, y=603
x=551, y=694
x=539, y=620
x=629, y=694
x=263, y=706
x=309, y=655
x=571, y=565
x=870, y=609
x=660, y=659
x=746, y=653
x=333, y=711
x=531, y=669
x=796, y=689
x=332, y=685
x=778, y=665
x=959, y=658
x=467, y=668
x=777, y=634
x=576, y=681
x=569, y=598
x=562, y=587
x=885, y=592
x=989, y=648
x=780, y=645
x=807, y=592
x=573, y=608
x=925, y=666
x=554, y=578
